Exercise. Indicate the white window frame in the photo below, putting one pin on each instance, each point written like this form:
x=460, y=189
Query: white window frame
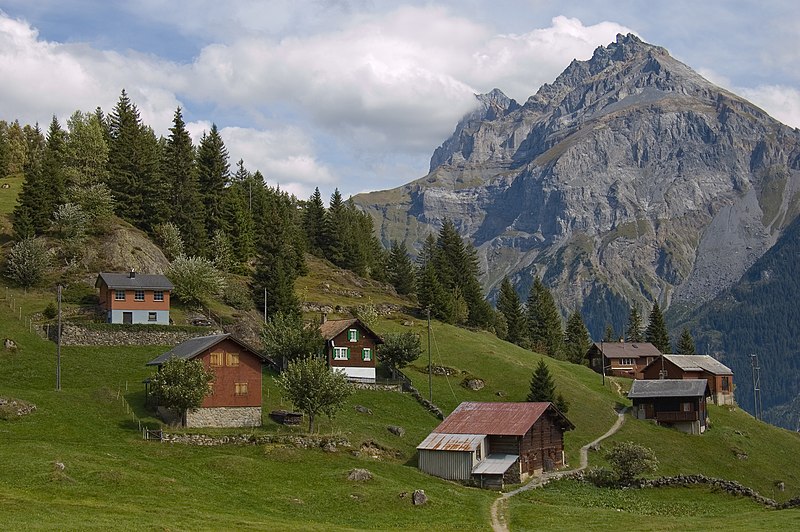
x=117, y=293
x=341, y=353
x=366, y=354
x=158, y=295
x=137, y=293
x=352, y=335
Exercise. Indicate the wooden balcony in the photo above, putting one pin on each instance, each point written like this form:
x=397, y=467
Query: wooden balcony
x=671, y=417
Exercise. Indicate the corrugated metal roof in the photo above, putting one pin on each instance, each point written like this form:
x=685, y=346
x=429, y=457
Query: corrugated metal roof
x=451, y=442
x=627, y=349
x=668, y=388
x=699, y=363
x=502, y=419
x=495, y=464
x=142, y=281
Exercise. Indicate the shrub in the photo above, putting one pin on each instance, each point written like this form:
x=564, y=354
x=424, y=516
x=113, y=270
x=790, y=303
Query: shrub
x=629, y=460
x=50, y=311
x=169, y=238
x=601, y=477
x=28, y=262
x=237, y=295
x=195, y=280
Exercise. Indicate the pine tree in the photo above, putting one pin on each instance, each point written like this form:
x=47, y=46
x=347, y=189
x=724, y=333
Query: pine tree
x=542, y=387
x=17, y=154
x=180, y=173
x=335, y=222
x=576, y=338
x=509, y=304
x=86, y=150
x=4, y=149
x=314, y=223
x=53, y=163
x=400, y=269
x=544, y=321
x=686, y=343
x=656, y=332
x=634, y=331
x=610, y=335
x=238, y=224
x=213, y=174
x=430, y=292
x=124, y=162
x=32, y=214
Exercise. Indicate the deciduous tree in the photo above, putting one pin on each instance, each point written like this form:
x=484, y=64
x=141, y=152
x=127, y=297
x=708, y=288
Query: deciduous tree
x=181, y=385
x=195, y=279
x=399, y=350
x=287, y=338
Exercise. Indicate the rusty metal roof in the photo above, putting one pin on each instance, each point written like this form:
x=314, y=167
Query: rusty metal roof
x=451, y=442
x=500, y=419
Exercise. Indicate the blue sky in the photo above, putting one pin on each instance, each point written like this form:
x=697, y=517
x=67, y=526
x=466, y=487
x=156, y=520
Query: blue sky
x=358, y=94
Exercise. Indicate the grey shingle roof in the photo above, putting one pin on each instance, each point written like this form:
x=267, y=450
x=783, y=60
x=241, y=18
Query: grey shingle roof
x=699, y=363
x=668, y=388
x=191, y=348
x=142, y=281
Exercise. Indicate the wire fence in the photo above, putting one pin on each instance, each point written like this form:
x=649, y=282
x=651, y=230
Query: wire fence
x=147, y=432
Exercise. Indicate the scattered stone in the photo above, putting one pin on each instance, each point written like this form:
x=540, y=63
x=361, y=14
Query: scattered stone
x=363, y=410
x=14, y=408
x=418, y=498
x=500, y=393
x=359, y=475
x=408, y=323
x=5, y=185
x=444, y=370
x=9, y=344
x=397, y=431
x=473, y=384
x=59, y=466
x=739, y=453
x=780, y=485
x=403, y=494
x=329, y=447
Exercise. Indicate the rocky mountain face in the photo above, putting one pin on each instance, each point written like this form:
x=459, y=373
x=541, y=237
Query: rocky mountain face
x=628, y=179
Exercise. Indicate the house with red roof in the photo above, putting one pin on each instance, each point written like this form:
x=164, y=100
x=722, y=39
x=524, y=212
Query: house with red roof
x=491, y=444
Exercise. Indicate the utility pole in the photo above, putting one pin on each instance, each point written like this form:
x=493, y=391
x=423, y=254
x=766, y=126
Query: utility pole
x=58, y=344
x=430, y=363
x=265, y=304
x=603, y=362
x=756, y=386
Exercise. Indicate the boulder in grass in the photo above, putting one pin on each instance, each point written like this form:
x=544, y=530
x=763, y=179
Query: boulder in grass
x=397, y=431
x=418, y=498
x=359, y=475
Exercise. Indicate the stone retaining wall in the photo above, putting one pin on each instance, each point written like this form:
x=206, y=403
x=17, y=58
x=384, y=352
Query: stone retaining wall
x=728, y=486
x=302, y=442
x=77, y=335
x=224, y=417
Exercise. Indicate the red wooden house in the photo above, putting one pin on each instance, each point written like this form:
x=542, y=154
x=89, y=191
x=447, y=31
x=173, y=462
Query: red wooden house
x=234, y=396
x=495, y=443
x=134, y=298
x=350, y=348
x=621, y=359
x=718, y=375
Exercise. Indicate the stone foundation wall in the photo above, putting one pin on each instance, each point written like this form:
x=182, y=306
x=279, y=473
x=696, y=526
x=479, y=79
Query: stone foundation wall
x=77, y=335
x=225, y=416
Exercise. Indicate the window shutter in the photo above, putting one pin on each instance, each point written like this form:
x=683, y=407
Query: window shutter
x=348, y=353
x=358, y=335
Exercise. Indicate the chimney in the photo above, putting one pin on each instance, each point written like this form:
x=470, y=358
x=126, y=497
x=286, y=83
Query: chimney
x=132, y=274
x=324, y=317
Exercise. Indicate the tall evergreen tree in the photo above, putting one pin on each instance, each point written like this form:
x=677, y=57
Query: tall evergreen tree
x=430, y=292
x=17, y=149
x=4, y=149
x=335, y=223
x=238, y=223
x=686, y=343
x=544, y=321
x=542, y=387
x=314, y=223
x=180, y=173
x=53, y=166
x=86, y=150
x=124, y=161
x=400, y=269
x=633, y=333
x=656, y=332
x=610, y=335
x=32, y=213
x=509, y=304
x=576, y=338
x=213, y=174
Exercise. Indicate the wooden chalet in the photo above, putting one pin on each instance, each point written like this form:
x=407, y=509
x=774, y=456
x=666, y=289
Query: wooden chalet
x=350, y=347
x=718, y=375
x=675, y=403
x=621, y=359
x=490, y=444
x=234, y=396
x=134, y=298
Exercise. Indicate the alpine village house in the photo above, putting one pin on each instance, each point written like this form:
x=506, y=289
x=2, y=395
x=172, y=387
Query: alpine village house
x=234, y=396
x=134, y=298
x=718, y=375
x=491, y=444
x=350, y=348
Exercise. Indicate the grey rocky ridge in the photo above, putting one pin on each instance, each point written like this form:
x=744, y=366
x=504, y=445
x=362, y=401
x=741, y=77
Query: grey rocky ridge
x=629, y=179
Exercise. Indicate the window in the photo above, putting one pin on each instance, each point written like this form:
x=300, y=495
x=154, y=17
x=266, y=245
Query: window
x=152, y=316
x=119, y=295
x=626, y=362
x=233, y=360
x=341, y=353
x=726, y=384
x=366, y=354
x=158, y=295
x=216, y=359
x=138, y=295
x=241, y=388
x=352, y=335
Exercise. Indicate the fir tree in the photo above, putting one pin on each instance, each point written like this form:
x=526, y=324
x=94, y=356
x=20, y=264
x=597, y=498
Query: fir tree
x=656, y=332
x=335, y=223
x=610, y=335
x=542, y=387
x=509, y=304
x=544, y=321
x=17, y=154
x=686, y=343
x=238, y=224
x=314, y=223
x=576, y=338
x=213, y=174
x=32, y=212
x=123, y=159
x=430, y=292
x=180, y=173
x=4, y=148
x=633, y=333
x=400, y=269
